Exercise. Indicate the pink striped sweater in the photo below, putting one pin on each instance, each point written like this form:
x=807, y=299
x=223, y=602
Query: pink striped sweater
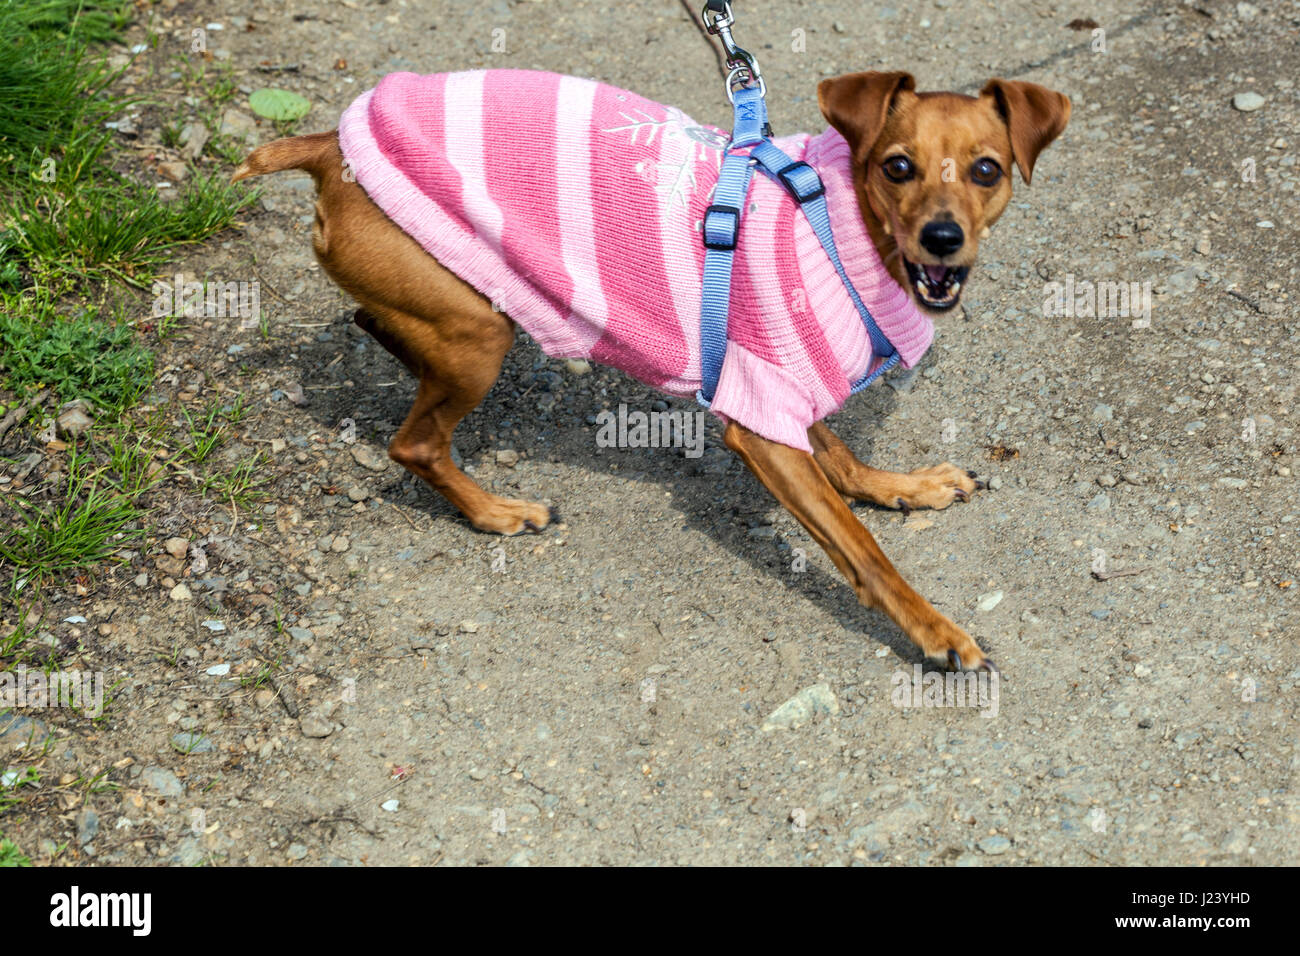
x=576, y=208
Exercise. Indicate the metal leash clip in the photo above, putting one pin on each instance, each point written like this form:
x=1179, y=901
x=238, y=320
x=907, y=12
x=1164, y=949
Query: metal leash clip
x=742, y=64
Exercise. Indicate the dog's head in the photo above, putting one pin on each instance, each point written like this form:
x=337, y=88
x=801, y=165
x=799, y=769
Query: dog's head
x=933, y=170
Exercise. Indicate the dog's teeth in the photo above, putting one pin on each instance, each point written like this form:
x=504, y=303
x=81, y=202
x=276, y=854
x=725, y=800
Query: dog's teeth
x=956, y=287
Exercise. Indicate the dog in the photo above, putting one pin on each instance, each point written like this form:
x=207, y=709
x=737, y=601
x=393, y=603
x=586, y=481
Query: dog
x=922, y=177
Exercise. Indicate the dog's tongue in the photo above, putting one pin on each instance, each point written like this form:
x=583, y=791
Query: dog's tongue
x=936, y=273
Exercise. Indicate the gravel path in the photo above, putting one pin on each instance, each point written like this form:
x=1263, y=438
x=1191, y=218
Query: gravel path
x=601, y=693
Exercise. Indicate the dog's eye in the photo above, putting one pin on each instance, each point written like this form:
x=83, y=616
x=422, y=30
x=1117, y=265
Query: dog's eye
x=899, y=168
x=986, y=172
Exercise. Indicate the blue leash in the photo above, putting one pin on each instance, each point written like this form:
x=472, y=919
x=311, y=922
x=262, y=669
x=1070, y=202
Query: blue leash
x=722, y=219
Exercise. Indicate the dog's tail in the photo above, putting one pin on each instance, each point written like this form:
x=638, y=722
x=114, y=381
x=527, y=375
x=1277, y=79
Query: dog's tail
x=310, y=153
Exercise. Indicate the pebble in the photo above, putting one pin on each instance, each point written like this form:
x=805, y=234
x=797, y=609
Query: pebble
x=180, y=593
x=161, y=781
x=508, y=457
x=1248, y=102
x=1100, y=502
x=357, y=493
x=87, y=826
x=296, y=851
x=989, y=601
x=994, y=845
x=876, y=835
x=314, y=725
x=73, y=422
x=802, y=707
x=177, y=547
x=1103, y=413
x=390, y=805
x=577, y=366
x=303, y=634
x=193, y=743
x=218, y=670
x=340, y=544
x=368, y=458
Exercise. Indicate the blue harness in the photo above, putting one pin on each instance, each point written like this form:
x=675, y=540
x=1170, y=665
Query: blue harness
x=722, y=227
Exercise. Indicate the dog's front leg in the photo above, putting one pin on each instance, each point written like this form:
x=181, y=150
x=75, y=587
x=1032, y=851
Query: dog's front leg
x=798, y=482
x=934, y=487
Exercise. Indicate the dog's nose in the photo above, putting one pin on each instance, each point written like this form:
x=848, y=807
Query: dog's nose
x=942, y=237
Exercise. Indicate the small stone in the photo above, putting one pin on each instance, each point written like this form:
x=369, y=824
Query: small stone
x=180, y=593
x=340, y=544
x=469, y=627
x=177, y=547
x=989, y=601
x=1248, y=102
x=73, y=422
x=390, y=806
x=314, y=725
x=995, y=483
x=1106, y=481
x=357, y=493
x=173, y=170
x=239, y=125
x=192, y=743
x=161, y=781
x=994, y=845
x=87, y=826
x=1100, y=502
x=578, y=366
x=296, y=851
x=1102, y=413
x=302, y=634
x=368, y=458
x=508, y=457
x=802, y=707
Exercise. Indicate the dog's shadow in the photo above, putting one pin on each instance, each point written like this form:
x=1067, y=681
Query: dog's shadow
x=714, y=493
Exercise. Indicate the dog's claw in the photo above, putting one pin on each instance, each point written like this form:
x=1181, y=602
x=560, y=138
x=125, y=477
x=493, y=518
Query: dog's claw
x=904, y=507
x=981, y=485
x=529, y=525
x=970, y=473
x=961, y=495
x=989, y=666
x=954, y=660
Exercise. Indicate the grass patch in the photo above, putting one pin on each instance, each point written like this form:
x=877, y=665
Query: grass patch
x=10, y=855
x=79, y=355
x=123, y=230
x=53, y=92
x=89, y=524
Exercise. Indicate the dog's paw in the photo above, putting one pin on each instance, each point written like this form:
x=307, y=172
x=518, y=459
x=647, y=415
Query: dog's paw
x=948, y=645
x=936, y=487
x=510, y=517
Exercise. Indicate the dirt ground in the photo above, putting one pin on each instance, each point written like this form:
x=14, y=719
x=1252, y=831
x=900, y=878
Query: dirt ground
x=598, y=693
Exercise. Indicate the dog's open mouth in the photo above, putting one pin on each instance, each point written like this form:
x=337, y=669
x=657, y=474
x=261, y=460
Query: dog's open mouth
x=937, y=287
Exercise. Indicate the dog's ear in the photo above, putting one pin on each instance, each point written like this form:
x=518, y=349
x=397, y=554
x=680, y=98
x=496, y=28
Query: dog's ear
x=1034, y=116
x=857, y=105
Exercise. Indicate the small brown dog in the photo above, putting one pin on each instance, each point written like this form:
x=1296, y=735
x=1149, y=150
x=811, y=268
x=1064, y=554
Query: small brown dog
x=932, y=174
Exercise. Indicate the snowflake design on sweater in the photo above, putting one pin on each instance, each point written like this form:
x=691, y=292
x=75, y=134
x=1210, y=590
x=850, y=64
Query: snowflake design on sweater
x=674, y=180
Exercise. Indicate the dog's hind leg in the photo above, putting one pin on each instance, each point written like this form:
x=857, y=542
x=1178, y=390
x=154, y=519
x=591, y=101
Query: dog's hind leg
x=454, y=378
x=934, y=487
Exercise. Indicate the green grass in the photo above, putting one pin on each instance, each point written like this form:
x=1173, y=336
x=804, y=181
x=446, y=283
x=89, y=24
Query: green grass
x=88, y=523
x=10, y=855
x=118, y=230
x=53, y=93
x=78, y=354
